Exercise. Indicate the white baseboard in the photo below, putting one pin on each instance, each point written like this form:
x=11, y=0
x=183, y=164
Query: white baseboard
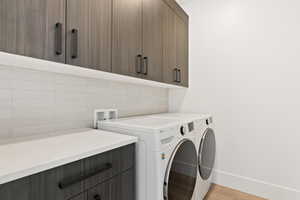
x=255, y=187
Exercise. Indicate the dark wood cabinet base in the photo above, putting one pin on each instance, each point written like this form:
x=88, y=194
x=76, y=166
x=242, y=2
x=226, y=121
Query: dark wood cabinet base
x=113, y=183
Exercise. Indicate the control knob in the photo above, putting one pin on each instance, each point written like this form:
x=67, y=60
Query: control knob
x=182, y=130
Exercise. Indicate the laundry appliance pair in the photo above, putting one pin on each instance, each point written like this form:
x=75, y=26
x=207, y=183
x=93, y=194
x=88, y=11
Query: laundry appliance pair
x=175, y=154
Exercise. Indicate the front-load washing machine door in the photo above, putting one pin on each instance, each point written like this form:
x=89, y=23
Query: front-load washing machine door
x=207, y=153
x=181, y=173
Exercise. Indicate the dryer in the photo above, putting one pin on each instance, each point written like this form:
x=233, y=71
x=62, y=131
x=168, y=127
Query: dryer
x=202, y=125
x=163, y=171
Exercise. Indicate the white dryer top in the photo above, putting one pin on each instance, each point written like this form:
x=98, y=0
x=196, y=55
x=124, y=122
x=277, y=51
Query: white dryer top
x=183, y=117
x=149, y=128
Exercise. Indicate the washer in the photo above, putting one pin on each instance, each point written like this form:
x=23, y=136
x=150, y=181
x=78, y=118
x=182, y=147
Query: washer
x=205, y=144
x=164, y=172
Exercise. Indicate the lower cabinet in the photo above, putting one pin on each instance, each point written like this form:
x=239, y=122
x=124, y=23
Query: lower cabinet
x=107, y=176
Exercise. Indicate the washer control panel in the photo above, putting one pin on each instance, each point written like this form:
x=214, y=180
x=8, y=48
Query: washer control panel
x=187, y=128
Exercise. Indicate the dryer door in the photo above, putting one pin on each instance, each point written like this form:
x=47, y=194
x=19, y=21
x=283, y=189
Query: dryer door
x=207, y=152
x=181, y=173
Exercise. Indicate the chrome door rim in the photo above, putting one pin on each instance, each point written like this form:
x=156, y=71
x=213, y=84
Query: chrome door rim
x=207, y=131
x=167, y=173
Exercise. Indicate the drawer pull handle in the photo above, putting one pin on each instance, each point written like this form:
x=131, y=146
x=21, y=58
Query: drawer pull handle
x=58, y=39
x=179, y=76
x=175, y=75
x=145, y=66
x=97, y=197
x=139, y=63
x=67, y=183
x=74, y=48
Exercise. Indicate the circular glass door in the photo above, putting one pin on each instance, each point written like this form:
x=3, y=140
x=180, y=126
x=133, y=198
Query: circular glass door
x=181, y=174
x=207, y=153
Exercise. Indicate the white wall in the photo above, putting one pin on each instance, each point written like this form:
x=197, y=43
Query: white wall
x=245, y=70
x=35, y=103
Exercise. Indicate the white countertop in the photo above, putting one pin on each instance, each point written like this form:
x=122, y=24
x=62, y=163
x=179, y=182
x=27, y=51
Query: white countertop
x=22, y=159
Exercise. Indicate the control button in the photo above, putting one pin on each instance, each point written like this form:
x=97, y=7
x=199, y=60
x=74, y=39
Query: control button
x=182, y=130
x=207, y=122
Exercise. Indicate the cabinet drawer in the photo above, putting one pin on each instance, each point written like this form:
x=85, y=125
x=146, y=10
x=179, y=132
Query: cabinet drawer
x=55, y=181
x=22, y=186
x=118, y=160
x=45, y=185
x=104, y=191
x=81, y=196
x=120, y=187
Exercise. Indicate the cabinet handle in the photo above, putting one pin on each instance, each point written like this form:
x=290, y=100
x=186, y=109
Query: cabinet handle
x=74, y=41
x=67, y=183
x=97, y=197
x=58, y=38
x=145, y=65
x=175, y=75
x=179, y=76
x=138, y=64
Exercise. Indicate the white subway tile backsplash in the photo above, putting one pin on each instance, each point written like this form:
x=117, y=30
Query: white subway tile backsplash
x=5, y=97
x=25, y=79
x=5, y=78
x=38, y=103
x=6, y=112
x=6, y=128
x=20, y=131
x=65, y=83
x=33, y=98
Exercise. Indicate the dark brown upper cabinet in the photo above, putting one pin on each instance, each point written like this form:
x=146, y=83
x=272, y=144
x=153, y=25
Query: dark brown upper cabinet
x=182, y=48
x=137, y=38
x=89, y=33
x=152, y=39
x=175, y=47
x=127, y=37
x=147, y=39
x=33, y=28
x=169, y=46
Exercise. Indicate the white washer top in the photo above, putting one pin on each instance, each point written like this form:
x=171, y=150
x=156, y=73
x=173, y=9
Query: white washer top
x=143, y=122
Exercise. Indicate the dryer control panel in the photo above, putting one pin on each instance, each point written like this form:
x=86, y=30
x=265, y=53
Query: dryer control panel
x=187, y=128
x=191, y=126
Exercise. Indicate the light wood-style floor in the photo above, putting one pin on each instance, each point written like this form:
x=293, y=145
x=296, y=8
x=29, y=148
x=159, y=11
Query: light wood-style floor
x=218, y=192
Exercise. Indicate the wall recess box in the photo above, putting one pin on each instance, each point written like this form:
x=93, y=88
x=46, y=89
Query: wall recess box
x=104, y=114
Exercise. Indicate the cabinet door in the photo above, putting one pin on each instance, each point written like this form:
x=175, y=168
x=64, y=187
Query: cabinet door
x=182, y=60
x=169, y=46
x=127, y=37
x=89, y=33
x=127, y=185
x=45, y=185
x=33, y=28
x=152, y=39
